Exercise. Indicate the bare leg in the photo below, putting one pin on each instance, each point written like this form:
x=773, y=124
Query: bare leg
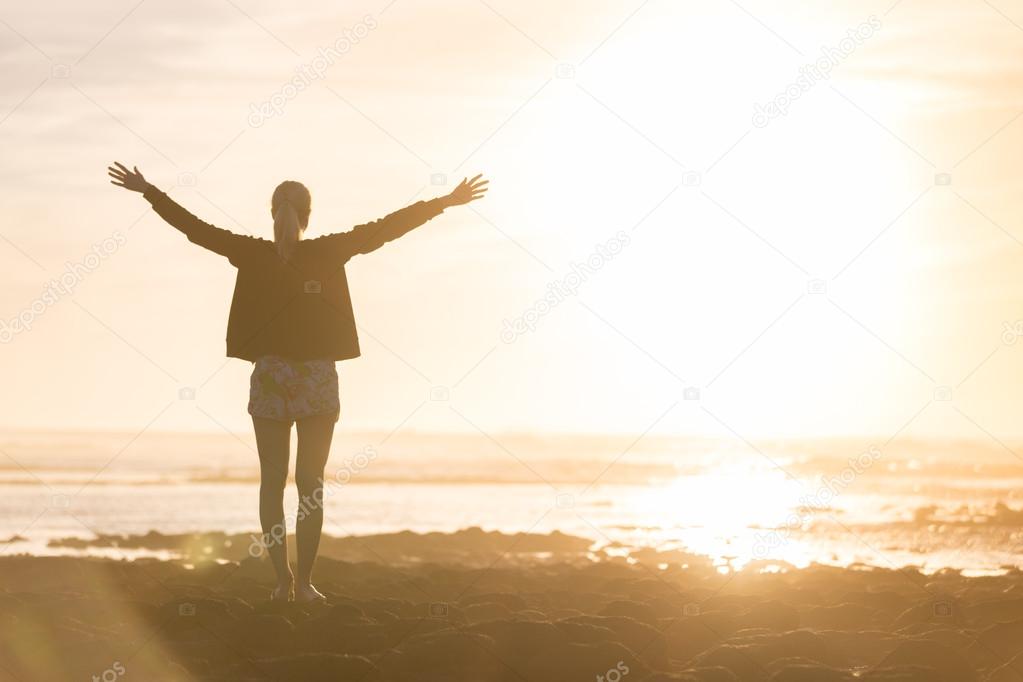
x=273, y=440
x=314, y=436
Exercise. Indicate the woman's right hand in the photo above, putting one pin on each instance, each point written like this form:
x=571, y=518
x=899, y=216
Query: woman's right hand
x=122, y=177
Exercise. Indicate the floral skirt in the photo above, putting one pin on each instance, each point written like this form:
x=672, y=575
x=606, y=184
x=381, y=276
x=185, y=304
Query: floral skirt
x=288, y=390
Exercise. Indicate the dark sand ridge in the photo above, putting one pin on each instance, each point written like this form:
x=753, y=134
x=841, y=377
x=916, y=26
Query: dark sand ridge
x=483, y=606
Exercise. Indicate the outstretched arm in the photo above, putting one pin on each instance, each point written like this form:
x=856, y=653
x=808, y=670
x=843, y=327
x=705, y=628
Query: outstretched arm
x=371, y=236
x=218, y=240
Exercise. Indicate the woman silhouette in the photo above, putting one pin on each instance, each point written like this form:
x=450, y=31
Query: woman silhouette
x=291, y=316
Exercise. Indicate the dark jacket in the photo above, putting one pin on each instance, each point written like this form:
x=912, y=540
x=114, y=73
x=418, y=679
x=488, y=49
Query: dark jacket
x=299, y=309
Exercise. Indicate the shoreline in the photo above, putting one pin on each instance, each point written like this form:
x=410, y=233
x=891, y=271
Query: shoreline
x=472, y=544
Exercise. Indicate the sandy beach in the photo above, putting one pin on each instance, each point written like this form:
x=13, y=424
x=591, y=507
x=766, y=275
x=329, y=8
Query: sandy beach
x=486, y=606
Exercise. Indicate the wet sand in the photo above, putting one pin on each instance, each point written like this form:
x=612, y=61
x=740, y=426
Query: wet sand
x=489, y=606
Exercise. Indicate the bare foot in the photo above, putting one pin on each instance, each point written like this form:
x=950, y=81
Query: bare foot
x=307, y=593
x=283, y=592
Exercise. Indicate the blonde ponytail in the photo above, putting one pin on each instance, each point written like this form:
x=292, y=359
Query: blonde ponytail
x=286, y=228
x=290, y=206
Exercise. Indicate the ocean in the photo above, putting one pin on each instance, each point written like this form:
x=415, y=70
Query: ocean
x=838, y=502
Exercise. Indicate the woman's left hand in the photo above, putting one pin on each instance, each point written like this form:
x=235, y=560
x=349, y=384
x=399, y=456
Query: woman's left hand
x=467, y=190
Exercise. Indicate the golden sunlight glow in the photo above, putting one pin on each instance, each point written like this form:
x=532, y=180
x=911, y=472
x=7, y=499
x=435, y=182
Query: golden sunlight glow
x=734, y=514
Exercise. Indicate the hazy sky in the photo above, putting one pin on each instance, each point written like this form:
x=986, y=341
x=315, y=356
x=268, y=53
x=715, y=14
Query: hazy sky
x=826, y=269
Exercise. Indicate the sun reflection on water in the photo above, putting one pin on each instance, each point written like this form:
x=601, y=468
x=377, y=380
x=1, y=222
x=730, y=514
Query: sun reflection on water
x=734, y=515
